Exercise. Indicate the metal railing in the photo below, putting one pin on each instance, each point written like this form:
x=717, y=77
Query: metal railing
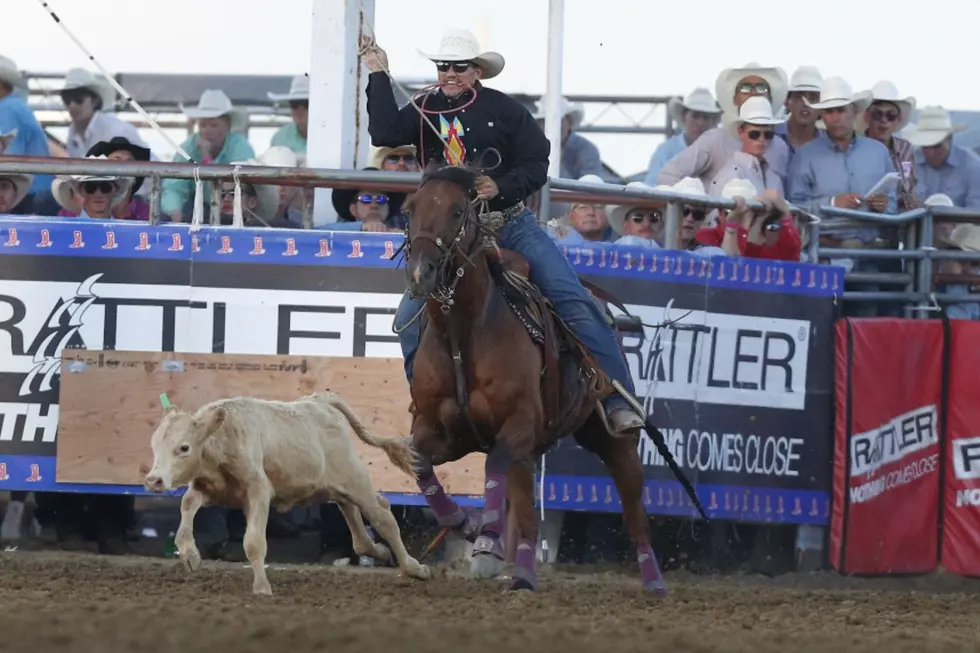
x=918, y=248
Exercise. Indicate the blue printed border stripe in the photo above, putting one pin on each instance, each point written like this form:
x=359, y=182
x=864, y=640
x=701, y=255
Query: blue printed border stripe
x=72, y=237
x=579, y=493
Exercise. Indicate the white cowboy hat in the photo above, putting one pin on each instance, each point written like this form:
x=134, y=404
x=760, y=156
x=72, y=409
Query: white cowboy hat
x=885, y=91
x=22, y=185
x=573, y=110
x=377, y=155
x=739, y=188
x=727, y=83
x=755, y=111
x=933, y=126
x=687, y=186
x=268, y=194
x=63, y=188
x=805, y=79
x=939, y=199
x=299, y=89
x=836, y=93
x=214, y=104
x=616, y=213
x=461, y=45
x=10, y=75
x=966, y=236
x=700, y=100
x=79, y=78
x=6, y=139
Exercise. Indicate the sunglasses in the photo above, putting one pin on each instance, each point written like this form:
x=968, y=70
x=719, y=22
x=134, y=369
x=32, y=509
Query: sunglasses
x=756, y=134
x=698, y=214
x=400, y=158
x=74, y=97
x=457, y=66
x=92, y=187
x=653, y=217
x=890, y=115
x=758, y=87
x=380, y=200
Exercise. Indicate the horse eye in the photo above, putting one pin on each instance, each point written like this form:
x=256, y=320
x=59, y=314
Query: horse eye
x=184, y=448
x=459, y=213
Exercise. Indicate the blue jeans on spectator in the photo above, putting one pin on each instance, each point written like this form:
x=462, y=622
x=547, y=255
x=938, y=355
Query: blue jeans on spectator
x=554, y=276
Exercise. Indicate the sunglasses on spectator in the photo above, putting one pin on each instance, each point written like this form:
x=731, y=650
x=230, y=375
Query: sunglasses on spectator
x=247, y=189
x=697, y=214
x=92, y=187
x=457, y=66
x=653, y=217
x=757, y=87
x=296, y=104
x=756, y=134
x=890, y=115
x=380, y=200
x=399, y=158
x=76, y=97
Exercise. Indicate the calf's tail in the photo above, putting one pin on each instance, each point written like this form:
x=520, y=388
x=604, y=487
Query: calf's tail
x=399, y=452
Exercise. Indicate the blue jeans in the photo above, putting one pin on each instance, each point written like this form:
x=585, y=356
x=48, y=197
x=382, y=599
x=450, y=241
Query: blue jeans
x=554, y=276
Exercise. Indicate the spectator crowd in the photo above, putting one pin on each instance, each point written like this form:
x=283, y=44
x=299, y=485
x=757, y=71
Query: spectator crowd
x=804, y=140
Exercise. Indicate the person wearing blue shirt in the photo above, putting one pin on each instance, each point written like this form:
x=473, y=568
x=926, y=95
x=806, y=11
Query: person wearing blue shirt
x=941, y=166
x=15, y=115
x=697, y=113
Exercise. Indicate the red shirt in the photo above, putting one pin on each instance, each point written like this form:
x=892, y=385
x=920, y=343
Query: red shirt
x=787, y=248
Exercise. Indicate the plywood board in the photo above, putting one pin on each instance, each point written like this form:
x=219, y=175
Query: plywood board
x=110, y=406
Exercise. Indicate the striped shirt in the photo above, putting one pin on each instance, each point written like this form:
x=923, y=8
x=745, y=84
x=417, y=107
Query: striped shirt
x=903, y=157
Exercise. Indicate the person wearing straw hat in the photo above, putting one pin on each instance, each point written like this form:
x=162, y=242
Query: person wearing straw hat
x=88, y=97
x=294, y=134
x=18, y=119
x=770, y=234
x=218, y=141
x=801, y=122
x=583, y=222
x=967, y=238
x=755, y=129
x=97, y=195
x=696, y=113
x=887, y=114
x=368, y=210
x=710, y=153
x=579, y=155
x=940, y=165
x=495, y=129
x=13, y=190
x=120, y=149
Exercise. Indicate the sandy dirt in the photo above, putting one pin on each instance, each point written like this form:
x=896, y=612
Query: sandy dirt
x=79, y=602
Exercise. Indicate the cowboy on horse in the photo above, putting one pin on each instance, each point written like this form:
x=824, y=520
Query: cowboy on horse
x=490, y=120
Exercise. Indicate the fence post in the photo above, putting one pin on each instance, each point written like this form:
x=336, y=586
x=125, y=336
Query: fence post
x=155, y=192
x=927, y=245
x=672, y=225
x=215, y=202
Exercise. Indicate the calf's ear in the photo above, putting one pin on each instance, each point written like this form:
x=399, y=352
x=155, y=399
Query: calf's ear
x=213, y=420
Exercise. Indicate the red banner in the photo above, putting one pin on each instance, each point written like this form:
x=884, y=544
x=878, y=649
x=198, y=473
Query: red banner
x=961, y=512
x=886, y=463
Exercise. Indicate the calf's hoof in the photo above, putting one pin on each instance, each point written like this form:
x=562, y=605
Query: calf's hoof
x=262, y=588
x=191, y=559
x=418, y=571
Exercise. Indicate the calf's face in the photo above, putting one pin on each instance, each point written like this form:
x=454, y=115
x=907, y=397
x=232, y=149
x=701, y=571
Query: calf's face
x=177, y=445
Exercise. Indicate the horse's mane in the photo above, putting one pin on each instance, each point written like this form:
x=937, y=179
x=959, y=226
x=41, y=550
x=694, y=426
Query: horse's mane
x=460, y=176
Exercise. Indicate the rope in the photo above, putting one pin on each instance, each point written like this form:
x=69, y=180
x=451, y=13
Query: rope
x=116, y=85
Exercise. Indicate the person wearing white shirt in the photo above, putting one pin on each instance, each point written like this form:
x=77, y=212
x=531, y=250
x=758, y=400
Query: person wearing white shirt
x=755, y=130
x=87, y=97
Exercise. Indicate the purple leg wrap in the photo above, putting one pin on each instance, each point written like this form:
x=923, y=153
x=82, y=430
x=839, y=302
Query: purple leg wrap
x=442, y=505
x=495, y=494
x=650, y=570
x=525, y=576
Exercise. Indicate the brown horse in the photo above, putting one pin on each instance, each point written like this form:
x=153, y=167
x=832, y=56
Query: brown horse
x=497, y=372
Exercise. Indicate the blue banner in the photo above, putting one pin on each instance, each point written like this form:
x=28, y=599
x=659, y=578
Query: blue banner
x=741, y=383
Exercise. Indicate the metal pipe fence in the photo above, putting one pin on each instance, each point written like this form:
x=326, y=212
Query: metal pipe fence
x=917, y=250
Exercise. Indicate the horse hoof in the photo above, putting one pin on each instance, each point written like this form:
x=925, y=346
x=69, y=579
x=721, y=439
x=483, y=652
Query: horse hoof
x=522, y=584
x=485, y=566
x=657, y=587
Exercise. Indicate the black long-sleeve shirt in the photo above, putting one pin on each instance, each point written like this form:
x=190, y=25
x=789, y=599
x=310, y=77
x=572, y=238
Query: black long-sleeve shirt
x=493, y=120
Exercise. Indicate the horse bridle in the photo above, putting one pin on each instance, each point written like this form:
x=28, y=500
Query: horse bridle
x=446, y=289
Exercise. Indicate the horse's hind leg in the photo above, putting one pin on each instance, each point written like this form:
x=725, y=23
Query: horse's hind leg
x=621, y=458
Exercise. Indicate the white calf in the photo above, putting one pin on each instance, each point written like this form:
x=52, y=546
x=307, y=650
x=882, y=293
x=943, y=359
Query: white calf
x=251, y=453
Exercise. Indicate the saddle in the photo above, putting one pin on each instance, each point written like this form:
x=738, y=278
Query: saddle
x=511, y=271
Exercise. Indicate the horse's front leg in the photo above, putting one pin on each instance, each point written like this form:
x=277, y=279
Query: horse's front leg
x=448, y=513
x=520, y=495
x=488, y=550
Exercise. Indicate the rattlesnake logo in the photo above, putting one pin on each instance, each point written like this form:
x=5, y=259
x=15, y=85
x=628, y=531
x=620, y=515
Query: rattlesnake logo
x=58, y=332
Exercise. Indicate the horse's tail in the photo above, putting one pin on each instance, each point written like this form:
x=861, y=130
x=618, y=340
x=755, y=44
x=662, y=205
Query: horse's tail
x=399, y=451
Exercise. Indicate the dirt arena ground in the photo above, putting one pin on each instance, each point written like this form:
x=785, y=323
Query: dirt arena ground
x=55, y=601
